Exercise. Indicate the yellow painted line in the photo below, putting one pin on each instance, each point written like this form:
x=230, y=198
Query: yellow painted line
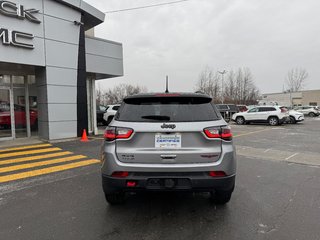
x=39, y=172
x=25, y=147
x=249, y=133
x=38, y=164
x=34, y=158
x=14, y=154
x=97, y=138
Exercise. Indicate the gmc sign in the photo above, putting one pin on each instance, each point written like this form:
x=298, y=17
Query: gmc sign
x=16, y=38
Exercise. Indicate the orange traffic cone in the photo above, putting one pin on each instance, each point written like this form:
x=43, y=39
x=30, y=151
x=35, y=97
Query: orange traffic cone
x=84, y=137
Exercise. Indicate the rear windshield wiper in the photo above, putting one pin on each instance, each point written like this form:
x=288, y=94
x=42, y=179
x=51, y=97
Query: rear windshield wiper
x=157, y=117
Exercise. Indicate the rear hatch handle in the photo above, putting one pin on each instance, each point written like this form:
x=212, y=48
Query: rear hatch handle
x=168, y=156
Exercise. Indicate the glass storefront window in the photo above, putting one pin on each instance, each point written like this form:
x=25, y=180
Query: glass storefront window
x=5, y=114
x=5, y=80
x=22, y=97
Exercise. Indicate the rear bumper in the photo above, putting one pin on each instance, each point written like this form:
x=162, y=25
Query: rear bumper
x=197, y=182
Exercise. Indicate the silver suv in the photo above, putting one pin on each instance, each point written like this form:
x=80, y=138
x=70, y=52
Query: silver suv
x=168, y=142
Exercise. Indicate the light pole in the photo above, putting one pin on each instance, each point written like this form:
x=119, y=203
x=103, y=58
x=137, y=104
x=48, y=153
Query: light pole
x=222, y=80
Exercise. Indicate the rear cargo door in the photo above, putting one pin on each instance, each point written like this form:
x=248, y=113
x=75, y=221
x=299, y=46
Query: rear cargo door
x=168, y=130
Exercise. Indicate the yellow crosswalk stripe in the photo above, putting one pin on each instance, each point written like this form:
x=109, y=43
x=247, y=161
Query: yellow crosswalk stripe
x=38, y=172
x=34, y=158
x=43, y=163
x=25, y=147
x=14, y=154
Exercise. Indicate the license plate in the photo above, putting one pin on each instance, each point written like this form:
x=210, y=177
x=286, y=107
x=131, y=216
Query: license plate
x=168, y=141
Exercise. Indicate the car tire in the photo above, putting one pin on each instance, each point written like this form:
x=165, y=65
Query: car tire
x=240, y=120
x=311, y=114
x=221, y=197
x=292, y=120
x=115, y=198
x=273, y=121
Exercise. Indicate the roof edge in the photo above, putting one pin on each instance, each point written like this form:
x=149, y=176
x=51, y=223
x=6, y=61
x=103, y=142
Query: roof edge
x=96, y=16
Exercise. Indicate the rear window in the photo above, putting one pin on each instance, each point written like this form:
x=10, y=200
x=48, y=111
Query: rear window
x=222, y=107
x=233, y=108
x=167, y=109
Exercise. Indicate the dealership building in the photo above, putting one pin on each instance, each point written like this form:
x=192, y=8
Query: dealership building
x=49, y=62
x=299, y=98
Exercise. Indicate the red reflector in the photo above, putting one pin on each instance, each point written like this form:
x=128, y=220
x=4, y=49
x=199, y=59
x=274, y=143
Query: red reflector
x=217, y=174
x=120, y=174
x=131, y=184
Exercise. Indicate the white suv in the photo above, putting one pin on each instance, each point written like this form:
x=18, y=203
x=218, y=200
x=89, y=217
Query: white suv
x=109, y=114
x=274, y=115
x=311, y=111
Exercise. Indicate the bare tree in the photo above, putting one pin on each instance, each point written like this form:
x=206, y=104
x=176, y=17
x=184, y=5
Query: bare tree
x=208, y=83
x=119, y=92
x=99, y=95
x=296, y=79
x=240, y=87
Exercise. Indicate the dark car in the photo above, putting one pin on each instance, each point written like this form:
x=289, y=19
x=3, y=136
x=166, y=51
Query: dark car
x=100, y=111
x=227, y=110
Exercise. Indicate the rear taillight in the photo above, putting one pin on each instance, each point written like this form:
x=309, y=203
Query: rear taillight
x=113, y=133
x=221, y=133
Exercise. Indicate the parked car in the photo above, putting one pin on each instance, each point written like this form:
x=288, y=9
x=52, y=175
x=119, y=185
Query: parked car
x=311, y=111
x=242, y=108
x=19, y=116
x=109, y=114
x=224, y=111
x=274, y=115
x=227, y=110
x=295, y=116
x=168, y=142
x=100, y=112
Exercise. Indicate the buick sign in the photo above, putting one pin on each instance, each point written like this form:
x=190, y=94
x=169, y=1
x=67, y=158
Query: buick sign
x=17, y=38
x=11, y=9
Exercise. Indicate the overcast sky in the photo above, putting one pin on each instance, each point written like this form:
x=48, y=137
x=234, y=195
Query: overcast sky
x=268, y=36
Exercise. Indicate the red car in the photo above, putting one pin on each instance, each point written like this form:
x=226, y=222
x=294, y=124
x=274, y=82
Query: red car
x=19, y=116
x=242, y=108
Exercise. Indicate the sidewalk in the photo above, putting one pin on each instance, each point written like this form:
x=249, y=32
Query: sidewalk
x=20, y=142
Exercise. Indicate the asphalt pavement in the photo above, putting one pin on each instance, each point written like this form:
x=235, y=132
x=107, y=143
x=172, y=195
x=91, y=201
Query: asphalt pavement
x=277, y=196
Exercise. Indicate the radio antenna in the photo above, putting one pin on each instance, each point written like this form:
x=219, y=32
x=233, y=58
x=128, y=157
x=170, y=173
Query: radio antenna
x=167, y=85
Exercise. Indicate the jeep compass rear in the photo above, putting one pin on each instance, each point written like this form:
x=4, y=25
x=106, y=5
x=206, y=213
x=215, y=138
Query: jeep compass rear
x=168, y=142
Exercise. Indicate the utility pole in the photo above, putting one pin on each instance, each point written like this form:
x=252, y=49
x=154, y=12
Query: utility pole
x=222, y=80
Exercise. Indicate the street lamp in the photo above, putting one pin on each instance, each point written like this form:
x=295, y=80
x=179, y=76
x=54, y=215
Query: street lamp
x=222, y=80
